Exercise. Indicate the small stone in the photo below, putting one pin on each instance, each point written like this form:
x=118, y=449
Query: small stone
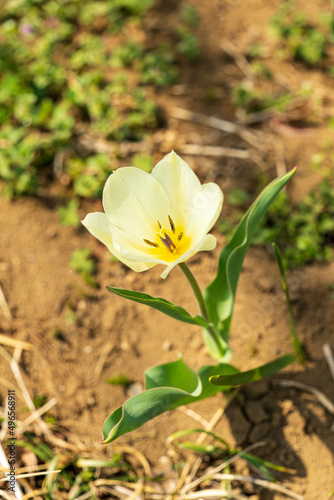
x=256, y=412
x=125, y=346
x=134, y=388
x=258, y=432
x=256, y=389
x=82, y=305
x=88, y=349
x=287, y=407
x=167, y=346
x=238, y=423
x=276, y=419
x=265, y=284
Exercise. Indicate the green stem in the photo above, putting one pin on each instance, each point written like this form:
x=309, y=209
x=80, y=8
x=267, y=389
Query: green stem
x=201, y=304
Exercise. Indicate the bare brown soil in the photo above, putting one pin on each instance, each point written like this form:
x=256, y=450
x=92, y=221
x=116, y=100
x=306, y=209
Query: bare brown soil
x=82, y=336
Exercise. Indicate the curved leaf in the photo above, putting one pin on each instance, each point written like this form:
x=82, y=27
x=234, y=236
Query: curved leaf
x=161, y=305
x=168, y=386
x=219, y=295
x=255, y=374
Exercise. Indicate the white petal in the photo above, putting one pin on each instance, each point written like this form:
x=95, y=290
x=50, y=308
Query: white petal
x=180, y=184
x=208, y=243
x=134, y=201
x=205, y=209
x=99, y=226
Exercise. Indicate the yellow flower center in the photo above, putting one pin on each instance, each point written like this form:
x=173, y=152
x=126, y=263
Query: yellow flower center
x=170, y=241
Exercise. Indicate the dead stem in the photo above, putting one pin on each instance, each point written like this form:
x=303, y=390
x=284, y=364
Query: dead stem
x=320, y=396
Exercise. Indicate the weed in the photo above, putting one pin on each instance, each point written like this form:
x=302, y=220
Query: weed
x=188, y=44
x=303, y=41
x=59, y=69
x=253, y=100
x=158, y=68
x=119, y=379
x=83, y=263
x=68, y=214
x=305, y=232
x=143, y=161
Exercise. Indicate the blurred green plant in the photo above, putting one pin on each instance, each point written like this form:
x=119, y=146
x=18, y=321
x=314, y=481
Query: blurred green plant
x=68, y=214
x=119, y=379
x=188, y=44
x=305, y=232
x=64, y=69
x=303, y=40
x=143, y=161
x=83, y=263
x=158, y=68
x=252, y=100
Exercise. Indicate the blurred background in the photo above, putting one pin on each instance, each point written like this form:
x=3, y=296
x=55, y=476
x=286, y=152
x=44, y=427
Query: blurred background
x=243, y=91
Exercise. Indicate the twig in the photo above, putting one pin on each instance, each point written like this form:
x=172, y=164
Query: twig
x=3, y=460
x=37, y=414
x=101, y=362
x=4, y=305
x=5, y=495
x=191, y=413
x=197, y=150
x=217, y=123
x=320, y=396
x=35, y=493
x=214, y=471
x=207, y=494
x=239, y=59
x=5, y=340
x=260, y=482
x=31, y=474
x=329, y=358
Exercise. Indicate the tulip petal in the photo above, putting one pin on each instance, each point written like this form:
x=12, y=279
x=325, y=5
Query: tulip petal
x=205, y=209
x=196, y=206
x=180, y=184
x=99, y=226
x=134, y=201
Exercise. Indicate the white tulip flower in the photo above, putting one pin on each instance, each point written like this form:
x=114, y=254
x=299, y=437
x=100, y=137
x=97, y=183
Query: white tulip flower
x=159, y=218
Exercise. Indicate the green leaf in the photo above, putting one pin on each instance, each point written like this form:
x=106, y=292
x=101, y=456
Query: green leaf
x=161, y=305
x=293, y=332
x=219, y=295
x=255, y=374
x=168, y=386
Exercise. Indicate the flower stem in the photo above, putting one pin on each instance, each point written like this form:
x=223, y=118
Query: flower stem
x=201, y=304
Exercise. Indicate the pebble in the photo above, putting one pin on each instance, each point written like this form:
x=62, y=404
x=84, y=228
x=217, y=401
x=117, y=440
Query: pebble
x=256, y=389
x=125, y=346
x=256, y=412
x=167, y=346
x=240, y=426
x=258, y=432
x=134, y=388
x=265, y=284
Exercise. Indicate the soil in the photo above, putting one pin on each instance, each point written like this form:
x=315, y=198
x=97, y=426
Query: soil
x=82, y=336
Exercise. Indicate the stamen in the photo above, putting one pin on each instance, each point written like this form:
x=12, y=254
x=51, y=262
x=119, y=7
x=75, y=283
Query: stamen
x=166, y=240
x=171, y=223
x=151, y=243
x=180, y=236
x=160, y=226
